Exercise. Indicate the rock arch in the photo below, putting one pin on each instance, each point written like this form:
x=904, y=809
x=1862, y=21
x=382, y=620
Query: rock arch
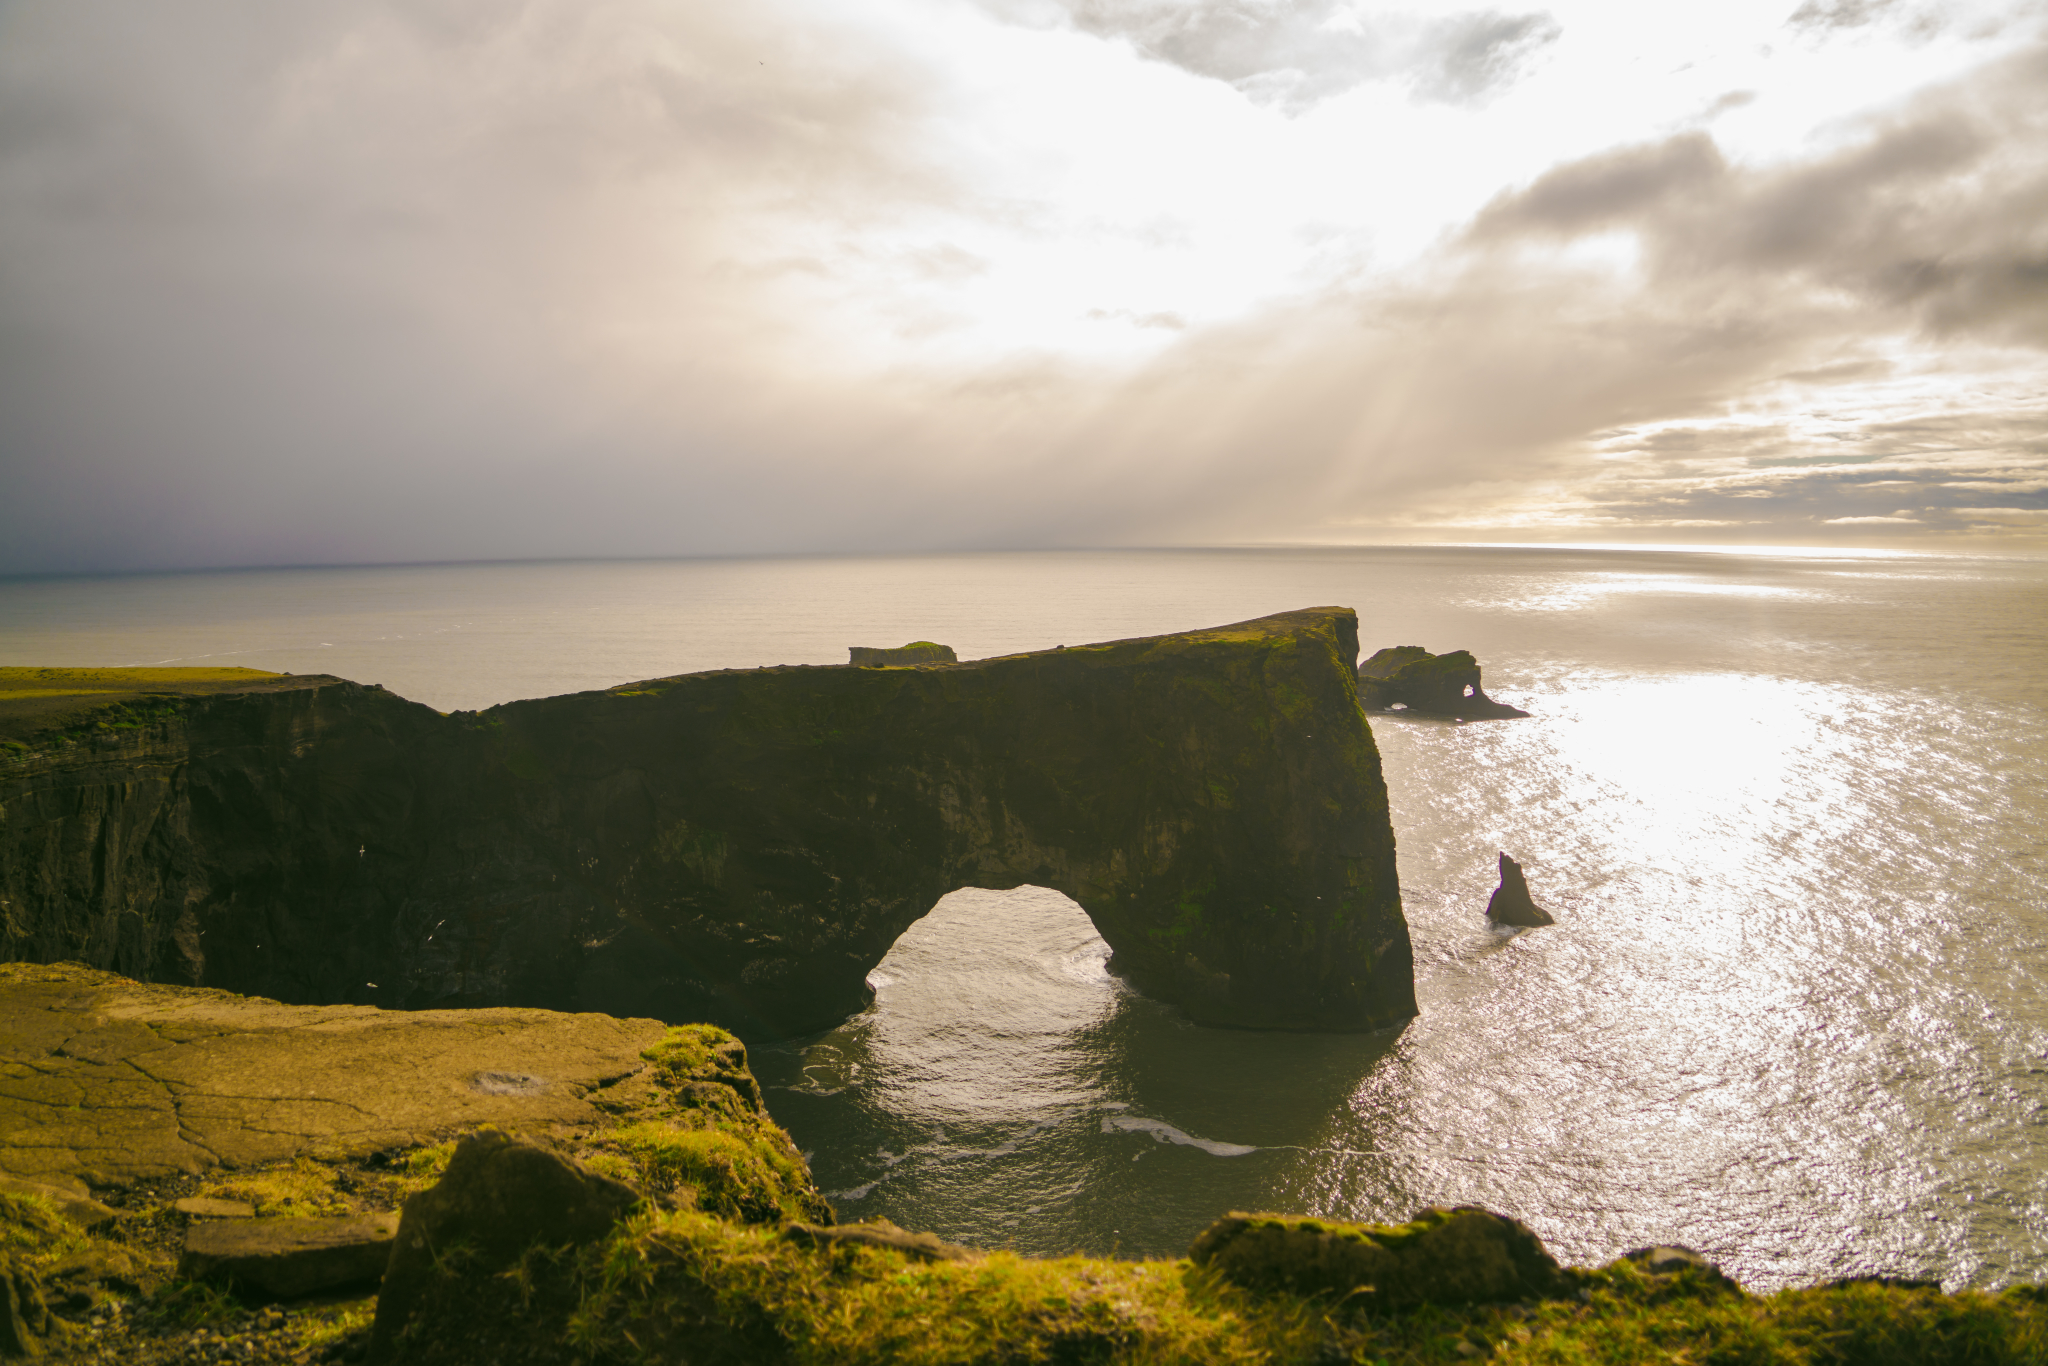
x=743, y=846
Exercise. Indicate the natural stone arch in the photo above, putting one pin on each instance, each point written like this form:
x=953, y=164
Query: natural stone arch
x=743, y=846
x=1212, y=800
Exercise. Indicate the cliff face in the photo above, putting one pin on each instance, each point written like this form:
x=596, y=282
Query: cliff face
x=736, y=846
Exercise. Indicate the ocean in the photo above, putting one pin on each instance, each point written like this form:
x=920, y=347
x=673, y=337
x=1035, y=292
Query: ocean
x=1790, y=810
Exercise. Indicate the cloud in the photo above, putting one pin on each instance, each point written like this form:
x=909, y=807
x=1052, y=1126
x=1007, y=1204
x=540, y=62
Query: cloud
x=1296, y=52
x=359, y=281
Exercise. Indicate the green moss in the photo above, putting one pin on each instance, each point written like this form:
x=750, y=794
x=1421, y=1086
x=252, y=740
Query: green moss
x=423, y=1167
x=689, y=1051
x=670, y=1286
x=303, y=1188
x=683, y=1284
x=743, y=1176
x=31, y=1226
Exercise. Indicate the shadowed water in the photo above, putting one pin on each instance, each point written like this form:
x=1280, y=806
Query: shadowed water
x=1788, y=811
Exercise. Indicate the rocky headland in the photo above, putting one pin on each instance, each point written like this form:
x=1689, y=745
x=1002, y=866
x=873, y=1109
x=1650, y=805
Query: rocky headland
x=1410, y=678
x=189, y=1176
x=740, y=846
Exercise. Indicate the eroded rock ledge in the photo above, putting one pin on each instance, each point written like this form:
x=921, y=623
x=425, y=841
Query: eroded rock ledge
x=736, y=846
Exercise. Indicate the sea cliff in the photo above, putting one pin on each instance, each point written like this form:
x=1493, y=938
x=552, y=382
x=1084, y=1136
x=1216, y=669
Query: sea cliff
x=739, y=846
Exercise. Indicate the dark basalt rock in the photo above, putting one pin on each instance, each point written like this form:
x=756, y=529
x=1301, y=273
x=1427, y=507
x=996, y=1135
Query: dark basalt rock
x=1511, y=903
x=500, y=1196
x=1410, y=677
x=287, y=1258
x=1464, y=1255
x=917, y=652
x=741, y=846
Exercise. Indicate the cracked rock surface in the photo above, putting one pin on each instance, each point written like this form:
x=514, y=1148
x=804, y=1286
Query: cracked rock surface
x=107, y=1082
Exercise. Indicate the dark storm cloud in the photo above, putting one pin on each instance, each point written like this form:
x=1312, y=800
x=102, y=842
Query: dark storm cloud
x=346, y=281
x=1296, y=52
x=1940, y=211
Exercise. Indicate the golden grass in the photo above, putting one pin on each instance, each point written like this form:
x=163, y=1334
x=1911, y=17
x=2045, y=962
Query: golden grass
x=21, y=681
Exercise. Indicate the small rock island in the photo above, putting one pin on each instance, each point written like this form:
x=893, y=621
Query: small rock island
x=1410, y=678
x=1511, y=903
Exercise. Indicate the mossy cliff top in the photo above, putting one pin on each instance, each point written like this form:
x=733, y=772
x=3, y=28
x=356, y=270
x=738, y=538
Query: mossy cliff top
x=36, y=702
x=739, y=846
x=630, y=1200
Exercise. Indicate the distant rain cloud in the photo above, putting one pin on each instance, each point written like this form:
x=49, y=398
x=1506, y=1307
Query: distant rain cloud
x=369, y=281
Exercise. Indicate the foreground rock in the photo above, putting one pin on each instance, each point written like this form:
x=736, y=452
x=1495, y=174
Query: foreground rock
x=237, y=1145
x=1511, y=903
x=499, y=1197
x=740, y=846
x=287, y=1259
x=1410, y=677
x=1442, y=1256
x=106, y=1082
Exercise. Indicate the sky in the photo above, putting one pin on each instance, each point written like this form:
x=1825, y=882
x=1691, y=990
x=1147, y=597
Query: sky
x=345, y=281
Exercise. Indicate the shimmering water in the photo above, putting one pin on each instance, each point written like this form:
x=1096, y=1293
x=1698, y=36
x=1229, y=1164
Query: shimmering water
x=1789, y=812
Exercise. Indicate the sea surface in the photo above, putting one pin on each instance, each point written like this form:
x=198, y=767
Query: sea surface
x=1791, y=812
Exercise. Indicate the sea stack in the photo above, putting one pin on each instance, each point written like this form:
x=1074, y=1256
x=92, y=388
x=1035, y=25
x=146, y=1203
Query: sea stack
x=1511, y=903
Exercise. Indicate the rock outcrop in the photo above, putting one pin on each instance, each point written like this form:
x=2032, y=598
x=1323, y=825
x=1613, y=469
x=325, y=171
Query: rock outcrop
x=106, y=1082
x=916, y=652
x=499, y=1197
x=1410, y=677
x=1511, y=903
x=288, y=1258
x=741, y=846
x=1464, y=1255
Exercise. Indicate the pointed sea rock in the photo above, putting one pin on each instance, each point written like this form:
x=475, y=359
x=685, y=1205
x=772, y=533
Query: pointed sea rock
x=1511, y=904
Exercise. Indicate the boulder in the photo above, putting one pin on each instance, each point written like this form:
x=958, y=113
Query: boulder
x=1511, y=903
x=1410, y=677
x=1464, y=1255
x=290, y=1257
x=499, y=1196
x=917, y=652
x=879, y=1233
